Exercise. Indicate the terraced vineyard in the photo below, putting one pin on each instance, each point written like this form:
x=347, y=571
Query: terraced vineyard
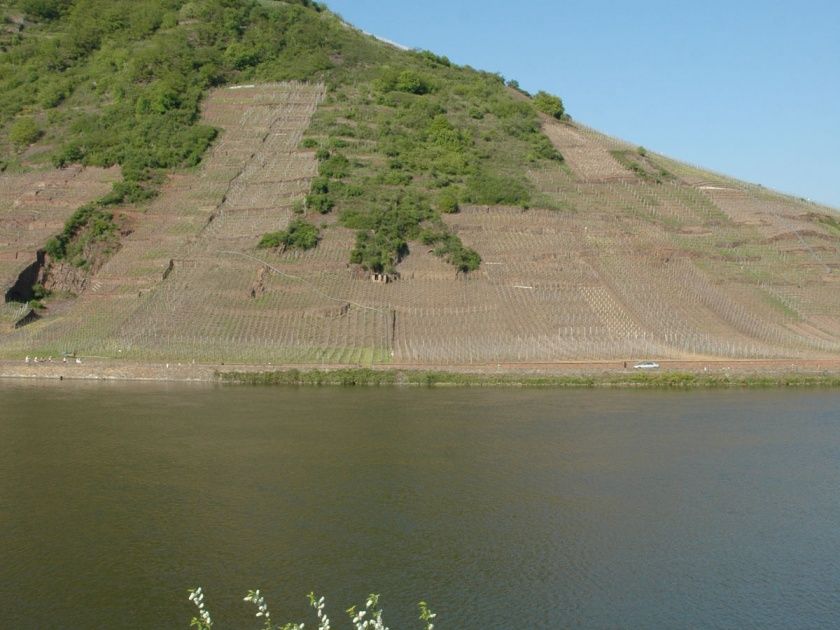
x=34, y=207
x=646, y=257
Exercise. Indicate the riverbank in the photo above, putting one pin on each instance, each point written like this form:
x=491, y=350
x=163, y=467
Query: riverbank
x=660, y=379
x=671, y=374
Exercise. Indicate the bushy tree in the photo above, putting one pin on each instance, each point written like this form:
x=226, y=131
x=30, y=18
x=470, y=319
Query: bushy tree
x=549, y=104
x=409, y=81
x=413, y=83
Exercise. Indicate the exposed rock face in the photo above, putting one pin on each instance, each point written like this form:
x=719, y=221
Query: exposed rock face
x=62, y=277
x=21, y=290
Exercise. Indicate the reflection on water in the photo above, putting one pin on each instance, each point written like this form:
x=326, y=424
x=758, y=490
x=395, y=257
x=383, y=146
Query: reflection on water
x=501, y=507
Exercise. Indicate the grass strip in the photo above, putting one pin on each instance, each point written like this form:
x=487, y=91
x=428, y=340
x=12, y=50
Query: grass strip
x=661, y=380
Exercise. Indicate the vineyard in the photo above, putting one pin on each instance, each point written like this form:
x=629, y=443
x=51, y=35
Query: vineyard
x=637, y=257
x=34, y=207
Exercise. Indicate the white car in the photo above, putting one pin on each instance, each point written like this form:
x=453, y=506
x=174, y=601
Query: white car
x=646, y=365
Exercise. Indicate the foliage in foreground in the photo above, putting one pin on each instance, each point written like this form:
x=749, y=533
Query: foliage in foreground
x=370, y=617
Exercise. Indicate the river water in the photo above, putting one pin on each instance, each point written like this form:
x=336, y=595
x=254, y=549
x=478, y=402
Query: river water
x=503, y=508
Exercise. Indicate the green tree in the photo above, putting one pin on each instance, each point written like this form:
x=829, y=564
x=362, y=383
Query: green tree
x=549, y=104
x=413, y=83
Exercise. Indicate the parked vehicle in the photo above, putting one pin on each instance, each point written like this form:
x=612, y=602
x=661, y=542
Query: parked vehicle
x=646, y=365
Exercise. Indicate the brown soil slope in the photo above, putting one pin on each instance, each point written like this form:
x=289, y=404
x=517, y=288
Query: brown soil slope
x=649, y=258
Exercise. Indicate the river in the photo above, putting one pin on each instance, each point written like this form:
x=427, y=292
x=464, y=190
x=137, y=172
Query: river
x=503, y=508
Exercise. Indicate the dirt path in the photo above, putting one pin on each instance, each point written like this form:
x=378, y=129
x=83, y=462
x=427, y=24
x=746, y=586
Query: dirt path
x=106, y=369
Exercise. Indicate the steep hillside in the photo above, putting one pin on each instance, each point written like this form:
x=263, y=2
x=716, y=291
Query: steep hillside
x=361, y=204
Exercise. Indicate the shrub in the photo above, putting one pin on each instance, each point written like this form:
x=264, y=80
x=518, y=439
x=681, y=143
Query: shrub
x=39, y=292
x=24, y=131
x=378, y=251
x=90, y=223
x=443, y=133
x=433, y=59
x=450, y=248
x=54, y=95
x=320, y=185
x=408, y=81
x=127, y=192
x=299, y=235
x=54, y=248
x=394, y=178
x=463, y=258
x=242, y=56
x=68, y=154
x=320, y=202
x=514, y=85
x=335, y=166
x=543, y=149
x=413, y=83
x=490, y=189
x=448, y=201
x=549, y=104
x=518, y=118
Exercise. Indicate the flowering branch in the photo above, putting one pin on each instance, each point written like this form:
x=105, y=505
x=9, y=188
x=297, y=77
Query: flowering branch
x=370, y=618
x=426, y=615
x=374, y=614
x=262, y=608
x=318, y=605
x=203, y=621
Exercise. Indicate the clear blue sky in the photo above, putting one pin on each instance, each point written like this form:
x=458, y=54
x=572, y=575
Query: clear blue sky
x=744, y=87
